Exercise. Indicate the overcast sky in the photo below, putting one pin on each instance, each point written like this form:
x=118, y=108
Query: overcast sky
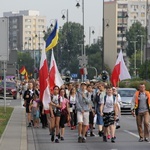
x=52, y=9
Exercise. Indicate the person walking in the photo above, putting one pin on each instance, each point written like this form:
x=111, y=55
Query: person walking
x=65, y=113
x=108, y=110
x=28, y=96
x=98, y=99
x=72, y=103
x=141, y=110
x=82, y=104
x=55, y=112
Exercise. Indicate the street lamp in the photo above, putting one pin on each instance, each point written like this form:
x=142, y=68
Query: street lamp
x=91, y=31
x=52, y=22
x=142, y=37
x=134, y=42
x=78, y=5
x=95, y=70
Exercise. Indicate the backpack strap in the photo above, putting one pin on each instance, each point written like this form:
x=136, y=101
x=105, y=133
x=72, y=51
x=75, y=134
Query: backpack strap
x=114, y=97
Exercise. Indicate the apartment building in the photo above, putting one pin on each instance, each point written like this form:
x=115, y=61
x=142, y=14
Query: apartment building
x=119, y=15
x=26, y=30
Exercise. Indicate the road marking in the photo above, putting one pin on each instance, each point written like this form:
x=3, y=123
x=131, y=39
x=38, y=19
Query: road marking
x=131, y=133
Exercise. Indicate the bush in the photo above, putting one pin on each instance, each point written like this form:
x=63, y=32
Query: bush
x=134, y=84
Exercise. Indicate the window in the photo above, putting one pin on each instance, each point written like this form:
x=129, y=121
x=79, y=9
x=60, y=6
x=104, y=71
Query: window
x=28, y=32
x=27, y=20
x=40, y=20
x=28, y=26
x=143, y=14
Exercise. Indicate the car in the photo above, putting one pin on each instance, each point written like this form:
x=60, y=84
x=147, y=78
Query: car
x=11, y=89
x=126, y=98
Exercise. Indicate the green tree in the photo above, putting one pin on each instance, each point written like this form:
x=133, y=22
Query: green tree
x=144, y=71
x=137, y=61
x=134, y=35
x=25, y=59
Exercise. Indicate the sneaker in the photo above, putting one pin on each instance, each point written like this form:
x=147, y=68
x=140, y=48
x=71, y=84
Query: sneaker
x=146, y=139
x=79, y=139
x=62, y=138
x=83, y=140
x=141, y=139
x=113, y=140
x=100, y=133
x=92, y=134
x=108, y=137
x=104, y=139
x=52, y=138
x=56, y=141
x=117, y=126
x=72, y=128
x=29, y=125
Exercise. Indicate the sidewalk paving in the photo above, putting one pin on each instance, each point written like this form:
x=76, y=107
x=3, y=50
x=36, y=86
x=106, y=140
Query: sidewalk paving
x=15, y=134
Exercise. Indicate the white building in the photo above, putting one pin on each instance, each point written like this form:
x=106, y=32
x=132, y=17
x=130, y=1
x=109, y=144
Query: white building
x=26, y=29
x=119, y=15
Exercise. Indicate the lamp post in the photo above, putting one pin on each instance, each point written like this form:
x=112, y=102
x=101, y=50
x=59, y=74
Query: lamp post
x=134, y=42
x=103, y=39
x=91, y=31
x=141, y=36
x=83, y=61
x=146, y=30
x=95, y=70
x=64, y=13
x=78, y=5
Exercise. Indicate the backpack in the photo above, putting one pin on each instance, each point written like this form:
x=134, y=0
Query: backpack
x=113, y=99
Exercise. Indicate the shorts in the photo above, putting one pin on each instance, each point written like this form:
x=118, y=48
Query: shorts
x=57, y=113
x=83, y=117
x=99, y=120
x=108, y=119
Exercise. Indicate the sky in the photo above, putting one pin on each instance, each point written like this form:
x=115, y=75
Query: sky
x=53, y=9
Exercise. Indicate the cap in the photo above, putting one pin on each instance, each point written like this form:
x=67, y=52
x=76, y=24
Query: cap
x=114, y=88
x=83, y=83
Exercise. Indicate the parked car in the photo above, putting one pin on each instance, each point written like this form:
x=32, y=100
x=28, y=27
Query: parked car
x=11, y=89
x=126, y=98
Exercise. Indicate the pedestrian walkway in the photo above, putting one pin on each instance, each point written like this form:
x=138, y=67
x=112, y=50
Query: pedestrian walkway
x=15, y=134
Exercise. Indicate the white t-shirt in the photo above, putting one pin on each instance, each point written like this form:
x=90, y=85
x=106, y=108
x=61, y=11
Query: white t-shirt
x=109, y=104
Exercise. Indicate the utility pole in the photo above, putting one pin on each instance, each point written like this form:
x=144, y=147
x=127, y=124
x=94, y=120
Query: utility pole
x=134, y=42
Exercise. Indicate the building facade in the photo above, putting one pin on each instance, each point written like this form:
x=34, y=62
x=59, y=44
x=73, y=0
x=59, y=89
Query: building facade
x=119, y=15
x=26, y=30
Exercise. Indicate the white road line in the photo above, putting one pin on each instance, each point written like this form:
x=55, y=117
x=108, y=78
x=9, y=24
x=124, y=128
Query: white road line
x=131, y=133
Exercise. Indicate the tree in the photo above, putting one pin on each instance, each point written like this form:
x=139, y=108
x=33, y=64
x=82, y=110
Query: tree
x=142, y=71
x=137, y=61
x=25, y=59
x=134, y=35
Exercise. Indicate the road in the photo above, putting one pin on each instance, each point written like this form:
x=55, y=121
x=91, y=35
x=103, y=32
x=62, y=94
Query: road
x=127, y=136
x=127, y=139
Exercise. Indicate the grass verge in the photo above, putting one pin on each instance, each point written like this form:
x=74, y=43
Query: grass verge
x=4, y=118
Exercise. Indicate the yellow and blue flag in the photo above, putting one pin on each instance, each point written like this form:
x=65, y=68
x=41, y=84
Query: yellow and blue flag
x=52, y=40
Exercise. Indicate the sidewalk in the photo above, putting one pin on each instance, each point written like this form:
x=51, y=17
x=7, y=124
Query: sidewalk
x=15, y=134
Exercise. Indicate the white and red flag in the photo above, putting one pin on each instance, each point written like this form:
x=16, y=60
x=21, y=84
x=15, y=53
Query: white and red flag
x=120, y=71
x=44, y=81
x=54, y=75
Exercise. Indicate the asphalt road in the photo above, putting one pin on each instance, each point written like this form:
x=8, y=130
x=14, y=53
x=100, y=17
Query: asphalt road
x=127, y=139
x=127, y=136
